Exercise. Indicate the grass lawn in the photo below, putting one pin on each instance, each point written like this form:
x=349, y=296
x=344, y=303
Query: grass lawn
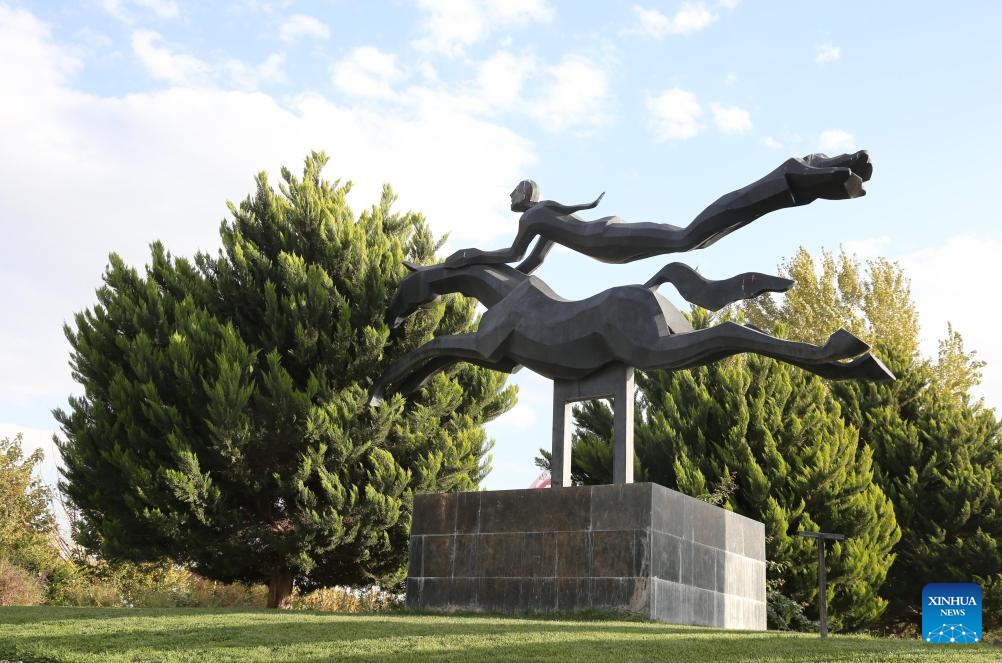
x=246, y=636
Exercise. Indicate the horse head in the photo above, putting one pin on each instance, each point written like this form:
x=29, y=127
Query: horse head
x=414, y=292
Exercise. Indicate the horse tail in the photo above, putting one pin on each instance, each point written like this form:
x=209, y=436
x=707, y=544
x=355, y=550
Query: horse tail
x=715, y=295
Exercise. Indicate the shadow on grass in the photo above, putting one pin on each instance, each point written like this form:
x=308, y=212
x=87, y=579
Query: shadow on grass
x=22, y=615
x=211, y=635
x=164, y=632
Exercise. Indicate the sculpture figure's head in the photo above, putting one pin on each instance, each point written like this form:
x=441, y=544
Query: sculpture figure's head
x=524, y=196
x=413, y=293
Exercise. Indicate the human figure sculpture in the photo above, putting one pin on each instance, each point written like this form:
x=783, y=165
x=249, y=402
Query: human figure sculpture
x=612, y=240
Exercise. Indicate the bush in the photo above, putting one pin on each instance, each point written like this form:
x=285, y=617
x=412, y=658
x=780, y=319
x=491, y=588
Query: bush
x=782, y=612
x=147, y=585
x=345, y=599
x=79, y=590
x=19, y=586
x=204, y=593
x=991, y=601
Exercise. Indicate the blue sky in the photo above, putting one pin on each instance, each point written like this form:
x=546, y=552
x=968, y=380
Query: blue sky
x=125, y=121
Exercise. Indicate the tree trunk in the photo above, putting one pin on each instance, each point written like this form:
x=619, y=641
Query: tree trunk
x=279, y=587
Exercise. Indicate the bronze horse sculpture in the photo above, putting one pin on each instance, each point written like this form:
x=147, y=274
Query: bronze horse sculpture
x=527, y=324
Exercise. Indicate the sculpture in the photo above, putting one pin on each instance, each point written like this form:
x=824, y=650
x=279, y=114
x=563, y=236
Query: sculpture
x=591, y=346
x=610, y=239
x=527, y=324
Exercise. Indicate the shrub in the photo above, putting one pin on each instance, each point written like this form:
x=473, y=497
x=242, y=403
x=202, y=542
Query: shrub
x=345, y=599
x=782, y=612
x=205, y=593
x=77, y=589
x=19, y=586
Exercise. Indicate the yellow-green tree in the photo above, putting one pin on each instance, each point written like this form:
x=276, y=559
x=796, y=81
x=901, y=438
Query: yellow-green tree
x=27, y=527
x=937, y=450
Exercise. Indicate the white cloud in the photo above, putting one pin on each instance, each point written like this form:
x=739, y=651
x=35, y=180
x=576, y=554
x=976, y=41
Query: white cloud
x=366, y=72
x=869, y=248
x=500, y=79
x=934, y=275
x=575, y=97
x=690, y=18
x=162, y=64
x=119, y=9
x=731, y=119
x=162, y=8
x=771, y=143
x=835, y=141
x=84, y=174
x=250, y=77
x=298, y=26
x=94, y=41
x=516, y=12
x=450, y=26
x=827, y=53
x=115, y=8
x=521, y=417
x=675, y=114
x=187, y=70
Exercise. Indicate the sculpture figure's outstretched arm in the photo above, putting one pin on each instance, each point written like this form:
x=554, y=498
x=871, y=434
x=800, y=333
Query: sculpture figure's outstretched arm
x=570, y=209
x=536, y=256
x=526, y=233
x=473, y=256
x=715, y=295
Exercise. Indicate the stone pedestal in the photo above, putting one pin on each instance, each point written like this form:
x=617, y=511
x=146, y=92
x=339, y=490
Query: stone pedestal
x=638, y=548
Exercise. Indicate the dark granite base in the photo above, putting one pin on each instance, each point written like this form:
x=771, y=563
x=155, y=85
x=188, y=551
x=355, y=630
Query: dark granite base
x=635, y=547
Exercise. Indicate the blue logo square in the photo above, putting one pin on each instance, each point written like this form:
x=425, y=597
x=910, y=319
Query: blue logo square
x=951, y=613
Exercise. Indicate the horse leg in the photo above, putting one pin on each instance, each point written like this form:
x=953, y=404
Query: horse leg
x=705, y=346
x=420, y=377
x=456, y=347
x=864, y=367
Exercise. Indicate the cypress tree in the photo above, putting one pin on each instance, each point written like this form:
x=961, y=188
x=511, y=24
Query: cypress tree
x=937, y=450
x=223, y=421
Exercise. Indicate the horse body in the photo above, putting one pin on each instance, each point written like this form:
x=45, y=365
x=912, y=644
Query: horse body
x=563, y=339
x=527, y=324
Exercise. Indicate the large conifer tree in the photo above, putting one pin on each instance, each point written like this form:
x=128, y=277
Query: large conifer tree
x=937, y=449
x=223, y=420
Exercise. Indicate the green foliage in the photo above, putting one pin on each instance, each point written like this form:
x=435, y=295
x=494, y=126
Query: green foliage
x=160, y=584
x=27, y=527
x=797, y=467
x=224, y=421
x=18, y=586
x=346, y=600
x=937, y=451
x=782, y=612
